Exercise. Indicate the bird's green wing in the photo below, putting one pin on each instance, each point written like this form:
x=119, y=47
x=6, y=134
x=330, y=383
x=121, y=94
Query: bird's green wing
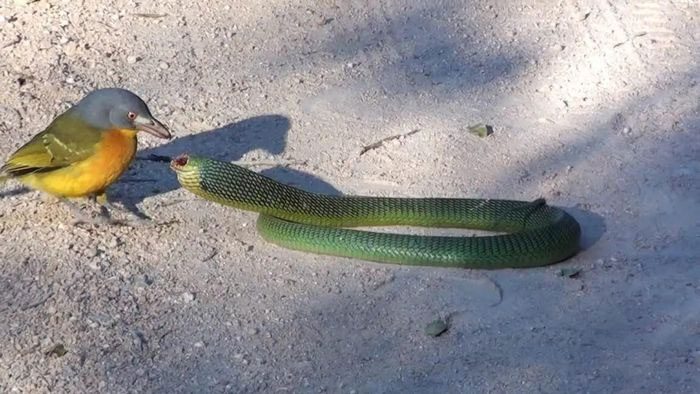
x=67, y=140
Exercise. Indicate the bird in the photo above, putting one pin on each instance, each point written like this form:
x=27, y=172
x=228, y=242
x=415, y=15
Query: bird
x=86, y=148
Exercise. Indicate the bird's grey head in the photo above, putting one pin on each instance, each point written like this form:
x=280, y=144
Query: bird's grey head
x=114, y=108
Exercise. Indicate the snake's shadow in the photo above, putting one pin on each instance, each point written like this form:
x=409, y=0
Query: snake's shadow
x=592, y=226
x=147, y=178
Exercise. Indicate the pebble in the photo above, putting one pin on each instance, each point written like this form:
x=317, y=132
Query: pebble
x=113, y=243
x=142, y=281
x=187, y=297
x=131, y=59
x=199, y=344
x=163, y=65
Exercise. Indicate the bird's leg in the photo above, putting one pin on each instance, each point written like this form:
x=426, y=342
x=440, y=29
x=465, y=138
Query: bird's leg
x=106, y=206
x=103, y=217
x=79, y=217
x=103, y=203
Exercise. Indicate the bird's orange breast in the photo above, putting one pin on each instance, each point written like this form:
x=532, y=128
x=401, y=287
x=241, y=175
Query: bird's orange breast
x=112, y=157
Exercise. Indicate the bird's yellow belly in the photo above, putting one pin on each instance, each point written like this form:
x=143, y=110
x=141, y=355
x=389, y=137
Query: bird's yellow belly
x=93, y=175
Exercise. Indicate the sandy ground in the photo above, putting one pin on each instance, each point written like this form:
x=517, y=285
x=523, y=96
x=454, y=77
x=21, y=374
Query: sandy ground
x=595, y=106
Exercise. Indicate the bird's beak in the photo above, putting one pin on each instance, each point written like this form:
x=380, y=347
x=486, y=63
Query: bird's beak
x=152, y=126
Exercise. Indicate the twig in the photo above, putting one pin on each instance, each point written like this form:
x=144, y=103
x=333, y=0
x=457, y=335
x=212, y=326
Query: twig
x=14, y=42
x=642, y=34
x=152, y=16
x=38, y=302
x=177, y=201
x=498, y=288
x=383, y=140
x=211, y=255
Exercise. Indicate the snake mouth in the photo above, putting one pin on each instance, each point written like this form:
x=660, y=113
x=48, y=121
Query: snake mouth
x=179, y=162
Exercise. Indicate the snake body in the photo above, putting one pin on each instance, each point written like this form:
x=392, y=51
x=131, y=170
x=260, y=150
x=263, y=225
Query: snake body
x=537, y=234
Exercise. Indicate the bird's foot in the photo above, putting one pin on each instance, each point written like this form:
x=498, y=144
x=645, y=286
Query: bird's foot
x=81, y=217
x=102, y=214
x=96, y=213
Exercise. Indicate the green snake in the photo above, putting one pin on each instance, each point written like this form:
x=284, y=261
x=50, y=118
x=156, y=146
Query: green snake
x=536, y=234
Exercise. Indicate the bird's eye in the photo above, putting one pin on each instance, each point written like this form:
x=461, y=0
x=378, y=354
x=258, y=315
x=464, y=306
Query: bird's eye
x=131, y=115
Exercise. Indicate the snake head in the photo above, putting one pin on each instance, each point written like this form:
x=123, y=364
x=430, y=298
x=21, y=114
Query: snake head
x=186, y=167
x=180, y=162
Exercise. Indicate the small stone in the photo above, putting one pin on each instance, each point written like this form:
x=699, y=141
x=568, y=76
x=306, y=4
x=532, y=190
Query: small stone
x=57, y=350
x=187, y=297
x=199, y=344
x=113, y=243
x=163, y=65
x=570, y=272
x=253, y=331
x=63, y=40
x=481, y=130
x=626, y=130
x=131, y=59
x=436, y=328
x=142, y=281
x=70, y=80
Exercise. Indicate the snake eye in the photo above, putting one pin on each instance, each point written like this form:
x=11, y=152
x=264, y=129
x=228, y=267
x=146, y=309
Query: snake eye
x=181, y=161
x=131, y=115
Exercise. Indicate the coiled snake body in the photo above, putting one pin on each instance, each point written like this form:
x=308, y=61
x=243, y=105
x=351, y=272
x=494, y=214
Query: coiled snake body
x=537, y=234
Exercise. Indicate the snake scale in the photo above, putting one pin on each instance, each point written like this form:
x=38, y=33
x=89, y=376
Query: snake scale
x=535, y=234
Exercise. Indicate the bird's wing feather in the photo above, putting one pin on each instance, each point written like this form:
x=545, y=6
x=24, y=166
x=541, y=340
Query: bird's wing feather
x=67, y=140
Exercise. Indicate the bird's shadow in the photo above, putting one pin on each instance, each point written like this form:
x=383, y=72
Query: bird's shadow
x=150, y=174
